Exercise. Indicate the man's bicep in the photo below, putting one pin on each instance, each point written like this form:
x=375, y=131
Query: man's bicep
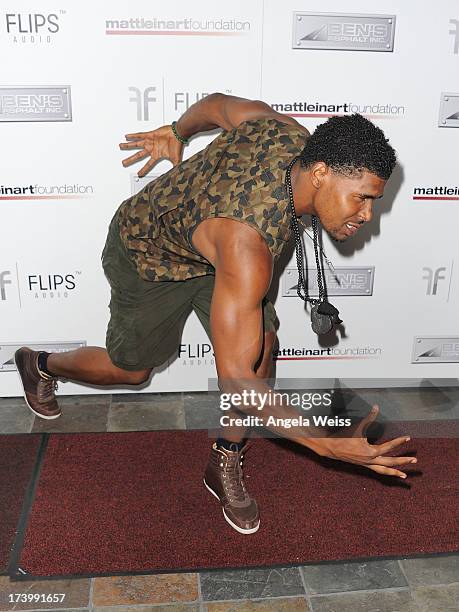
x=237, y=110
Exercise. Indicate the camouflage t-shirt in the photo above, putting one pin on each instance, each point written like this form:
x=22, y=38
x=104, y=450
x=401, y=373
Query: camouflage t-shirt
x=239, y=175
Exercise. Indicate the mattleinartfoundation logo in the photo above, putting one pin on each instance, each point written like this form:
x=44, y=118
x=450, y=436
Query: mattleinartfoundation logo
x=63, y=191
x=188, y=26
x=305, y=354
x=314, y=108
x=436, y=192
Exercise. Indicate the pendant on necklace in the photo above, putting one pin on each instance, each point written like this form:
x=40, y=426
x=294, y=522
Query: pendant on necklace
x=323, y=317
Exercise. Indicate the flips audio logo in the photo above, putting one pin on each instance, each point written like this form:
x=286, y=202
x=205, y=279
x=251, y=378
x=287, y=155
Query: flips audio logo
x=33, y=28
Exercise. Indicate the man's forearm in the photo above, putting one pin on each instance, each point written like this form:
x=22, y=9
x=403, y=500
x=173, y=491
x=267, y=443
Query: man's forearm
x=202, y=116
x=310, y=436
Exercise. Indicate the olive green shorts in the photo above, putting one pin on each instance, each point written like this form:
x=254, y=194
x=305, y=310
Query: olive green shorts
x=147, y=317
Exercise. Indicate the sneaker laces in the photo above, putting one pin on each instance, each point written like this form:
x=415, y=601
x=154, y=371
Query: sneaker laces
x=46, y=388
x=233, y=477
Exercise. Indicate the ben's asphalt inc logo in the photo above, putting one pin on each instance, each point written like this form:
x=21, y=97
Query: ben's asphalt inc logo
x=32, y=28
x=188, y=26
x=8, y=349
x=449, y=110
x=435, y=349
x=314, y=108
x=343, y=31
x=63, y=191
x=35, y=104
x=343, y=281
x=436, y=192
x=307, y=354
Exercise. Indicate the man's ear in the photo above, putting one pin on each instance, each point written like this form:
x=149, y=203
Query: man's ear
x=319, y=173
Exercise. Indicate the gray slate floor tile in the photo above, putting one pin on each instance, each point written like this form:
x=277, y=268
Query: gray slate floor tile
x=146, y=416
x=248, y=584
x=163, y=607
x=202, y=410
x=278, y=604
x=376, y=601
x=431, y=570
x=124, y=398
x=354, y=576
x=84, y=416
x=15, y=416
x=437, y=599
x=102, y=399
x=425, y=404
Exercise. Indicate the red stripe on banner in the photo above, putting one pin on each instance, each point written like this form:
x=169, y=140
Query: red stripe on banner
x=338, y=115
x=435, y=198
x=169, y=33
x=309, y=358
x=47, y=197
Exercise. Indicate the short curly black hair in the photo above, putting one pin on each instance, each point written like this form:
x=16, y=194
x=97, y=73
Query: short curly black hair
x=350, y=144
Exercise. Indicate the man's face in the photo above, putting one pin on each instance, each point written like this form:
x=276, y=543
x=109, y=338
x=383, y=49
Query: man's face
x=343, y=204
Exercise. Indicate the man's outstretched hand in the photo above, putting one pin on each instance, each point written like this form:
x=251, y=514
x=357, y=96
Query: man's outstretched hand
x=158, y=144
x=357, y=450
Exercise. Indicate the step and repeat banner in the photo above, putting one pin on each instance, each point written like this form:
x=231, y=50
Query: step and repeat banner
x=75, y=78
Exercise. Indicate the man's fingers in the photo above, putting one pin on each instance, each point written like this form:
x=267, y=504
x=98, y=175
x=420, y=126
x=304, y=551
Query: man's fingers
x=371, y=416
x=393, y=460
x=130, y=160
x=386, y=447
x=136, y=135
x=387, y=471
x=138, y=144
x=148, y=166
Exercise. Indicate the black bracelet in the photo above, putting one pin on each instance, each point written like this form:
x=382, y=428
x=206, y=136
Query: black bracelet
x=177, y=135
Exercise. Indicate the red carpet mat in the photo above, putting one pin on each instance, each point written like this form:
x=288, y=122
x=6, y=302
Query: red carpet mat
x=18, y=454
x=120, y=503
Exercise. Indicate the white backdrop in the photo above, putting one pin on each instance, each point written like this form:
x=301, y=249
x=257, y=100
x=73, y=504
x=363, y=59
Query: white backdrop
x=62, y=180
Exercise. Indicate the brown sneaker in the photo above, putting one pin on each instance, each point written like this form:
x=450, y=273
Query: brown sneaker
x=224, y=479
x=38, y=388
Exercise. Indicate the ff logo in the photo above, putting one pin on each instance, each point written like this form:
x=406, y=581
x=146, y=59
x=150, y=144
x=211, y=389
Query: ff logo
x=143, y=100
x=432, y=277
x=455, y=33
x=3, y=283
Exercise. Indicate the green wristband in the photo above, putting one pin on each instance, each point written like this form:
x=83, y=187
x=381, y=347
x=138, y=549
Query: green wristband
x=177, y=135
